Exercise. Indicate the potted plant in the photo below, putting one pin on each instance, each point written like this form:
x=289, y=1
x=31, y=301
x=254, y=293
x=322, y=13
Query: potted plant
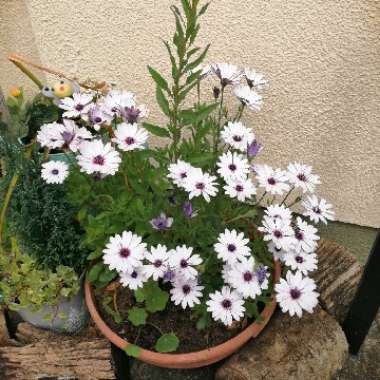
x=185, y=265
x=43, y=283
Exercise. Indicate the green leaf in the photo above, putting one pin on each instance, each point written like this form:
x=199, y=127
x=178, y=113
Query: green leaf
x=155, y=130
x=162, y=101
x=94, y=272
x=137, y=316
x=199, y=60
x=167, y=343
x=132, y=350
x=157, y=77
x=95, y=255
x=140, y=295
x=157, y=302
x=203, y=9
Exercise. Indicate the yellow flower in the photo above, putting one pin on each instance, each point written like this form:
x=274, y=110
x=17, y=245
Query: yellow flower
x=15, y=91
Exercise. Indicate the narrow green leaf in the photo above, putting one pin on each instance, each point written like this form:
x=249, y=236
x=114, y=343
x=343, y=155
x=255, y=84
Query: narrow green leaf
x=203, y=9
x=162, y=101
x=199, y=60
x=167, y=343
x=132, y=350
x=156, y=130
x=157, y=77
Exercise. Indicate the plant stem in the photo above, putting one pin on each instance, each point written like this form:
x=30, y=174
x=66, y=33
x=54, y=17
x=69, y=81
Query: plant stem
x=287, y=195
x=199, y=92
x=262, y=197
x=29, y=74
x=156, y=327
x=239, y=113
x=219, y=126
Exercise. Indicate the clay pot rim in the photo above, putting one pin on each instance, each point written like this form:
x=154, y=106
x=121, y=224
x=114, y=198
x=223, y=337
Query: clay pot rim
x=194, y=359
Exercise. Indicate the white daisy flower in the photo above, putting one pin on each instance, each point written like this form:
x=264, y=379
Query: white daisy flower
x=301, y=176
x=95, y=157
x=242, y=190
x=226, y=273
x=318, y=210
x=232, y=246
x=135, y=279
x=182, y=258
x=124, y=252
x=255, y=79
x=96, y=117
x=243, y=278
x=273, y=181
x=227, y=73
x=233, y=166
x=306, y=238
x=114, y=99
x=279, y=211
x=279, y=232
x=248, y=97
x=200, y=184
x=73, y=135
x=130, y=137
x=179, y=172
x=237, y=135
x=77, y=105
x=50, y=135
x=302, y=261
x=186, y=292
x=158, y=259
x=278, y=253
x=226, y=306
x=54, y=172
x=296, y=294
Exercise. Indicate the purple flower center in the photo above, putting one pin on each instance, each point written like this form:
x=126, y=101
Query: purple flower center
x=317, y=210
x=200, y=185
x=184, y=263
x=231, y=247
x=186, y=289
x=124, y=253
x=67, y=136
x=55, y=171
x=79, y=107
x=248, y=276
x=239, y=188
x=129, y=140
x=134, y=274
x=277, y=234
x=299, y=235
x=157, y=263
x=237, y=138
x=183, y=175
x=295, y=293
x=271, y=181
x=301, y=177
x=98, y=160
x=97, y=119
x=227, y=304
x=232, y=167
x=299, y=259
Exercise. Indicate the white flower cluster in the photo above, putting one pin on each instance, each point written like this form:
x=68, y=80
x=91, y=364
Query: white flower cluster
x=85, y=114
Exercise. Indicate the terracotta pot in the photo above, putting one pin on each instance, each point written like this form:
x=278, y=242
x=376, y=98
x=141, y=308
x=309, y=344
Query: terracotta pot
x=192, y=359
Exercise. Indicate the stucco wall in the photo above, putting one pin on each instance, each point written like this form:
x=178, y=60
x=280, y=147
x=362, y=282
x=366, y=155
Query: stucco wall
x=322, y=58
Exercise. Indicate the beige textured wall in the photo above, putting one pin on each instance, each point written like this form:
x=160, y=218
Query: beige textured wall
x=322, y=58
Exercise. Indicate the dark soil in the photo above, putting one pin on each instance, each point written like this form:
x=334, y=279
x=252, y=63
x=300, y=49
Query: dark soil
x=172, y=319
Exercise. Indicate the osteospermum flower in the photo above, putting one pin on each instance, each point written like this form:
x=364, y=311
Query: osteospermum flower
x=200, y=184
x=115, y=99
x=301, y=176
x=226, y=306
x=233, y=166
x=54, y=172
x=130, y=137
x=124, y=252
x=97, y=117
x=96, y=157
x=255, y=79
x=73, y=136
x=162, y=222
x=279, y=232
x=50, y=135
x=273, y=181
x=186, y=292
x=279, y=211
x=135, y=279
x=243, y=278
x=305, y=236
x=240, y=189
x=227, y=73
x=77, y=105
x=301, y=261
x=296, y=294
x=158, y=259
x=182, y=259
x=232, y=246
x=248, y=97
x=318, y=210
x=237, y=135
x=278, y=253
x=179, y=172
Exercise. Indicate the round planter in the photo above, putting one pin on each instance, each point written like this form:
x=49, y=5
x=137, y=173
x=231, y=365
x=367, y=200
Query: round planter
x=74, y=310
x=192, y=359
